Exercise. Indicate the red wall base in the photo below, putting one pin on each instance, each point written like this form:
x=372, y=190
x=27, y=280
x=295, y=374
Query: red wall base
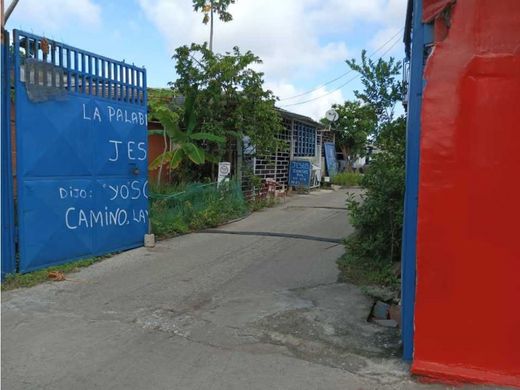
x=453, y=375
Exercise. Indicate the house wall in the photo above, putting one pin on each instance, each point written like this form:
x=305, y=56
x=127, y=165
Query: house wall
x=155, y=148
x=276, y=166
x=467, y=322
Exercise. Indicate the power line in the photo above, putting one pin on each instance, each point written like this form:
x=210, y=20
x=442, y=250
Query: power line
x=322, y=96
x=342, y=85
x=344, y=74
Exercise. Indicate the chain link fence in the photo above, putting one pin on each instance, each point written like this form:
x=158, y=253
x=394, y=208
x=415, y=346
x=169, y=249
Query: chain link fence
x=196, y=206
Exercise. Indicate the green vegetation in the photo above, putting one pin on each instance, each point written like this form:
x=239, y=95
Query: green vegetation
x=229, y=96
x=158, y=96
x=356, y=122
x=347, y=179
x=30, y=279
x=216, y=101
x=210, y=8
x=374, y=249
x=261, y=203
x=378, y=218
x=357, y=271
x=382, y=86
x=182, y=209
x=182, y=138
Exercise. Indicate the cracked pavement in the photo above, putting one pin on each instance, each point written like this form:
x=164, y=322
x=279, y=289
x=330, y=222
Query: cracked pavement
x=208, y=311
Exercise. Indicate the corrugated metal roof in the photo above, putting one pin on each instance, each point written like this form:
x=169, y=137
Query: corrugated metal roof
x=299, y=117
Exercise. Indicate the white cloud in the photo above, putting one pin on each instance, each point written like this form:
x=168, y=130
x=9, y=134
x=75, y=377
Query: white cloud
x=275, y=30
x=52, y=15
x=320, y=99
x=342, y=15
x=294, y=38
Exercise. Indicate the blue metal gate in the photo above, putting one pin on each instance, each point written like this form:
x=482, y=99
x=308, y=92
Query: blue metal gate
x=81, y=153
x=7, y=211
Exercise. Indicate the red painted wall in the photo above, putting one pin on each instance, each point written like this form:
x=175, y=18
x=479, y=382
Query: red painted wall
x=467, y=314
x=432, y=8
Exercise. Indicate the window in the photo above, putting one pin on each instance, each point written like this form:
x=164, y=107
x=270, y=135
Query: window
x=304, y=140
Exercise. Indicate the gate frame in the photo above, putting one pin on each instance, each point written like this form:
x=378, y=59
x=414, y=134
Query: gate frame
x=7, y=203
x=421, y=38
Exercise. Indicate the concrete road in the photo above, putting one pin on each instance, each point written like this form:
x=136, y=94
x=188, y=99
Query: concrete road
x=208, y=311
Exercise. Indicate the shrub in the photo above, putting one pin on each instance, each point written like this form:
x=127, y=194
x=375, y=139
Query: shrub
x=347, y=179
x=375, y=246
x=259, y=203
x=378, y=216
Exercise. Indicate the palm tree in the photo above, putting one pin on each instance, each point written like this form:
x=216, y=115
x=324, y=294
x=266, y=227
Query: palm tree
x=210, y=8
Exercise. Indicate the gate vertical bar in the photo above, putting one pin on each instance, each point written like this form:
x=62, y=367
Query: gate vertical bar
x=7, y=211
x=421, y=37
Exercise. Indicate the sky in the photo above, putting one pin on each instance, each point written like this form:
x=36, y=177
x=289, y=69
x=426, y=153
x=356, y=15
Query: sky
x=303, y=43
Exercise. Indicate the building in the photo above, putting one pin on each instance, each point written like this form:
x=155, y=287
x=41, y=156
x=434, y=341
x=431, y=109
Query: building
x=304, y=140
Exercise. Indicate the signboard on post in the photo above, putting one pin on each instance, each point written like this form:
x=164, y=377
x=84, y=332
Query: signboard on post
x=330, y=158
x=224, y=170
x=300, y=173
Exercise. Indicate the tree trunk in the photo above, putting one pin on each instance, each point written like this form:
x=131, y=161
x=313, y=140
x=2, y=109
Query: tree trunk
x=345, y=151
x=230, y=150
x=162, y=159
x=211, y=29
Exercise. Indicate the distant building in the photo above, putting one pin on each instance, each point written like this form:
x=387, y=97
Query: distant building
x=304, y=138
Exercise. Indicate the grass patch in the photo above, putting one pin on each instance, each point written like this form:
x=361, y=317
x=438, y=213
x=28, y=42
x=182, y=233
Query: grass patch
x=31, y=279
x=366, y=273
x=347, y=179
x=261, y=203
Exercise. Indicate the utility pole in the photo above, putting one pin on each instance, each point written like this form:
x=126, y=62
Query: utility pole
x=8, y=11
x=211, y=29
x=2, y=17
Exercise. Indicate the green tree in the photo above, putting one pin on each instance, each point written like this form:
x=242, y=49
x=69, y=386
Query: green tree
x=230, y=99
x=210, y=8
x=378, y=217
x=356, y=121
x=382, y=86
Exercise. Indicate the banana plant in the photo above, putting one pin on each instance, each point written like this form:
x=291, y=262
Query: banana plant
x=183, y=140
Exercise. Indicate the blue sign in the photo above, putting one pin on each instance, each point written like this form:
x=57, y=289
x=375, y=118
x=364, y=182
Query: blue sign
x=330, y=158
x=81, y=153
x=300, y=173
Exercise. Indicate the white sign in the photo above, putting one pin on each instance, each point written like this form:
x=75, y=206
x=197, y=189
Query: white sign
x=224, y=170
